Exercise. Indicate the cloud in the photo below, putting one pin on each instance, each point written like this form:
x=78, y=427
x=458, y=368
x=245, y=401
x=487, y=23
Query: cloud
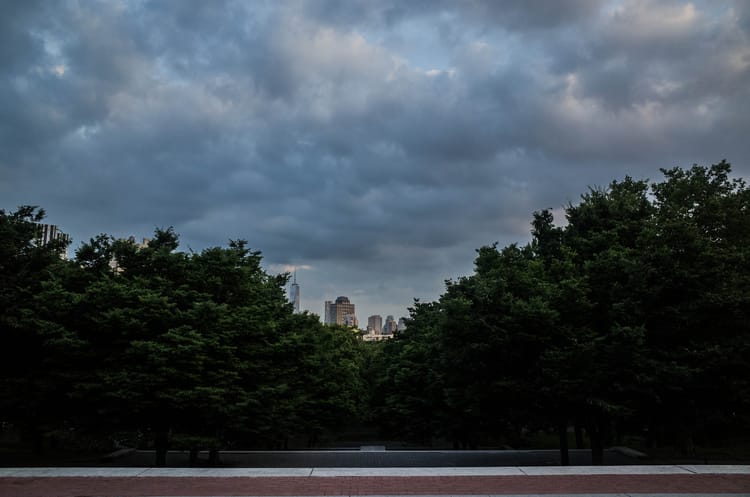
x=289, y=268
x=375, y=144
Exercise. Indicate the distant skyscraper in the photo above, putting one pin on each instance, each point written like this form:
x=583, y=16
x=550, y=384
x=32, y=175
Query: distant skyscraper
x=351, y=320
x=375, y=329
x=401, y=324
x=391, y=326
x=114, y=264
x=337, y=312
x=294, y=294
x=375, y=323
x=47, y=233
x=327, y=312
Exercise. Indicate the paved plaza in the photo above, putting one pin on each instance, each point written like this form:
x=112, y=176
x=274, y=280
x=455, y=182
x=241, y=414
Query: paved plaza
x=693, y=480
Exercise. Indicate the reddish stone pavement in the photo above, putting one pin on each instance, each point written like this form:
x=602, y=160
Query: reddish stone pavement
x=685, y=483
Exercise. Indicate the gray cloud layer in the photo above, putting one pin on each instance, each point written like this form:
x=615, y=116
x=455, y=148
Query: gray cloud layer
x=375, y=143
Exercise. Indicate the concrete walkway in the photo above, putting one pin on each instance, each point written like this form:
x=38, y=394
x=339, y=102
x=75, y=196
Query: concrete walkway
x=693, y=480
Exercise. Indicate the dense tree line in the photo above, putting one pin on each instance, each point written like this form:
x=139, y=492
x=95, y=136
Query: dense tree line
x=630, y=318
x=633, y=317
x=202, y=348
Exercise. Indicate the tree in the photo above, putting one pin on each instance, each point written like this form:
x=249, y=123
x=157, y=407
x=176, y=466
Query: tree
x=408, y=400
x=622, y=319
x=605, y=234
x=32, y=383
x=176, y=341
x=697, y=272
x=206, y=346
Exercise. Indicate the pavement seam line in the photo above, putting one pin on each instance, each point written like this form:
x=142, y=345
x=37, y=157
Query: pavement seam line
x=522, y=471
x=311, y=472
x=688, y=470
x=143, y=472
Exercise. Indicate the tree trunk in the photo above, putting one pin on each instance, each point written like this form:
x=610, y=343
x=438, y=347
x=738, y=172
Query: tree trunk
x=597, y=443
x=37, y=441
x=213, y=457
x=653, y=436
x=687, y=445
x=516, y=437
x=562, y=431
x=579, y=434
x=618, y=432
x=161, y=442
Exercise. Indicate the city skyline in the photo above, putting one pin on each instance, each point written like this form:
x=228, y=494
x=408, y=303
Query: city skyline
x=374, y=321
x=371, y=146
x=293, y=294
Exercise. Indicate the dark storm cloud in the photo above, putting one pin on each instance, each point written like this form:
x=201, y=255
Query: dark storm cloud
x=524, y=14
x=18, y=47
x=375, y=143
x=513, y=14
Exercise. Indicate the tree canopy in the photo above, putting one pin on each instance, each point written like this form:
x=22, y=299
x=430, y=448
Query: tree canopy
x=631, y=317
x=149, y=339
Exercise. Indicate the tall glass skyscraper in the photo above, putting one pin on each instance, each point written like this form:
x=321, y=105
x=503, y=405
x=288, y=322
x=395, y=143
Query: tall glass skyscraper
x=294, y=294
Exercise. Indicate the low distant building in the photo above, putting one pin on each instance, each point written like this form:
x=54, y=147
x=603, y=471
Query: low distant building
x=115, y=265
x=144, y=242
x=371, y=336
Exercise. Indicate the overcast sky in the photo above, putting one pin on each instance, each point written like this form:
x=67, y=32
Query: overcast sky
x=372, y=144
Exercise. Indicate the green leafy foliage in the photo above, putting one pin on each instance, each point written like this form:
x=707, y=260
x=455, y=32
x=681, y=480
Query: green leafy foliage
x=203, y=347
x=631, y=318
